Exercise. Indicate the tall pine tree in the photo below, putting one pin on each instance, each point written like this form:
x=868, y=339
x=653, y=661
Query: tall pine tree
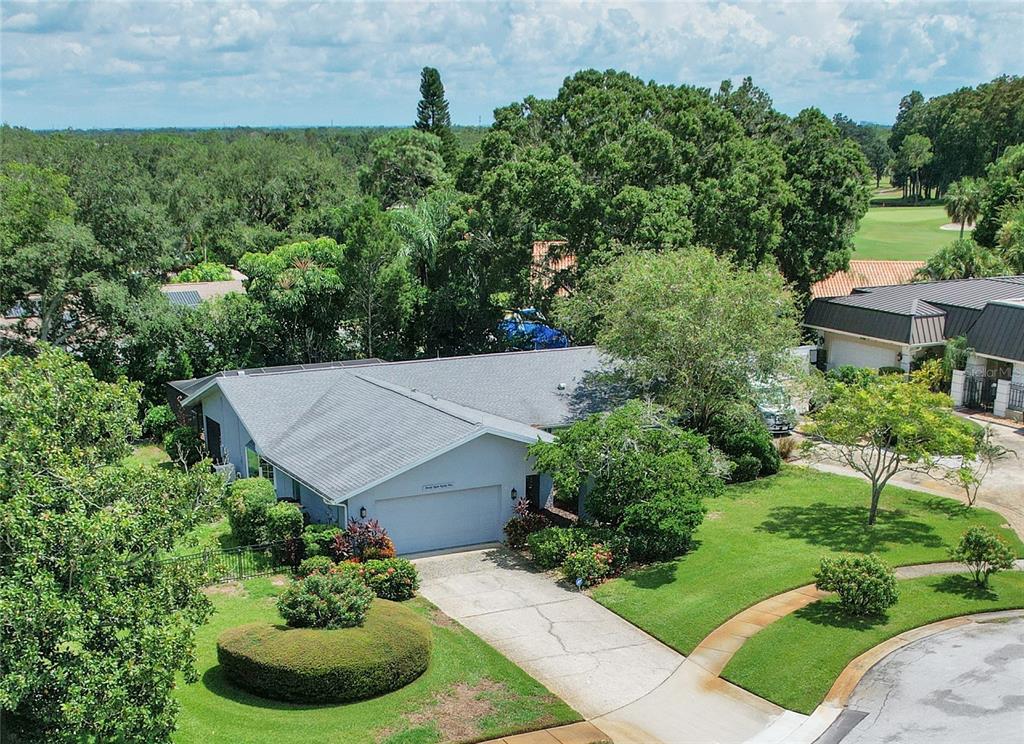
x=432, y=112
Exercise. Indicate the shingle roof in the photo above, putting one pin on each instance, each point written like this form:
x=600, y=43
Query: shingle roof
x=866, y=274
x=910, y=313
x=341, y=429
x=519, y=385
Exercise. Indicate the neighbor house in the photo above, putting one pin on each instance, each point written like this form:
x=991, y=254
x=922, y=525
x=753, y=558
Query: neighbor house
x=190, y=294
x=435, y=449
x=863, y=273
x=892, y=326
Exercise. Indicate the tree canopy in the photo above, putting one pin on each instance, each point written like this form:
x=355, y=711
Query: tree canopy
x=95, y=627
x=690, y=328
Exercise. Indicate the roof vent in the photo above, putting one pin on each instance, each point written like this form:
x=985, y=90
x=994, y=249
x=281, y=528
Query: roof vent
x=561, y=386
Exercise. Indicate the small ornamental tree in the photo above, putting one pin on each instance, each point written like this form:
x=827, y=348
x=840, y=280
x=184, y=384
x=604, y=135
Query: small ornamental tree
x=983, y=553
x=971, y=473
x=885, y=427
x=865, y=585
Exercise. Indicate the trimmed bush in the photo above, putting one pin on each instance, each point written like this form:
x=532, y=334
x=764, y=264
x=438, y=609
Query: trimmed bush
x=284, y=525
x=313, y=665
x=983, y=552
x=524, y=523
x=588, y=565
x=319, y=564
x=332, y=600
x=662, y=527
x=390, y=578
x=248, y=505
x=318, y=539
x=741, y=434
x=183, y=445
x=865, y=585
x=158, y=421
x=745, y=468
x=550, y=546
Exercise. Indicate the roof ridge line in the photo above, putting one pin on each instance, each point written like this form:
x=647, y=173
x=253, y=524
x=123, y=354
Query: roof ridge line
x=417, y=396
x=477, y=356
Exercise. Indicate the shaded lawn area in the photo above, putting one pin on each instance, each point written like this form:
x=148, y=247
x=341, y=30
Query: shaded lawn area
x=149, y=454
x=469, y=692
x=795, y=661
x=212, y=535
x=902, y=233
x=767, y=536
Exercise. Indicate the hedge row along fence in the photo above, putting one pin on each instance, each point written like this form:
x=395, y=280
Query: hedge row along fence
x=237, y=564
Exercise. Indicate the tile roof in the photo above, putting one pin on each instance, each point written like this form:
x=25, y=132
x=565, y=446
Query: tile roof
x=341, y=429
x=866, y=274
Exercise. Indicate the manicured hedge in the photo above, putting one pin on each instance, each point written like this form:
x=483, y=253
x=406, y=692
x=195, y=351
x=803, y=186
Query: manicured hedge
x=315, y=665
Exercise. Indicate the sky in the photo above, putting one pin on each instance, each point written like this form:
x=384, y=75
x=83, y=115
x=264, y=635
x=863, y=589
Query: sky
x=284, y=63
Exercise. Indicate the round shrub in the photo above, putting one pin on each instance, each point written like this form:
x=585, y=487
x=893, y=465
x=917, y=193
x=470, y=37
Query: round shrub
x=588, y=566
x=390, y=578
x=319, y=564
x=333, y=600
x=315, y=665
x=865, y=585
x=248, y=505
x=158, y=421
x=207, y=271
x=745, y=468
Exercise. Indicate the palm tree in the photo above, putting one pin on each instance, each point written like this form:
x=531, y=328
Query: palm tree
x=1010, y=238
x=963, y=202
x=962, y=259
x=421, y=228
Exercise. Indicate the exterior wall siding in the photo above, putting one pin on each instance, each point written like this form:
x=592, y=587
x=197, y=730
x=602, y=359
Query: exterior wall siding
x=233, y=435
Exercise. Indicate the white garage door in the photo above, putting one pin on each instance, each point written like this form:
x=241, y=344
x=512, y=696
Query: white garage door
x=432, y=521
x=859, y=354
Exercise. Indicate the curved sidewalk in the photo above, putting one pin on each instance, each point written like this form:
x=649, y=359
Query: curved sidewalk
x=696, y=705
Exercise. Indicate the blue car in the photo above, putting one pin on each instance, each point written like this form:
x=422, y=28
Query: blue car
x=526, y=329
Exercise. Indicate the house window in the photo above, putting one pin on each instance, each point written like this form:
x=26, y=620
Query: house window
x=256, y=466
x=296, y=490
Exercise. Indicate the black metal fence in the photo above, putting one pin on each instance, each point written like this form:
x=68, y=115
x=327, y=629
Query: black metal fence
x=1016, y=401
x=236, y=564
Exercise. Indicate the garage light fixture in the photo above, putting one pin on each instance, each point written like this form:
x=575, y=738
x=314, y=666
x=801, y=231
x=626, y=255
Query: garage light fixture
x=515, y=493
x=362, y=512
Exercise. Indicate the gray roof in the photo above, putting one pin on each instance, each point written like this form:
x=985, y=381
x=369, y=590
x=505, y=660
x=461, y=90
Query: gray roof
x=342, y=429
x=922, y=313
x=999, y=332
x=519, y=385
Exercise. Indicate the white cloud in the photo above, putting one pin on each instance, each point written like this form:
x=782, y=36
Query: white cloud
x=280, y=62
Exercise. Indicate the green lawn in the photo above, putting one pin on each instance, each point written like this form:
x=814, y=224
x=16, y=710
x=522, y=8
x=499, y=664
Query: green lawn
x=902, y=233
x=795, y=661
x=469, y=692
x=213, y=535
x=148, y=454
x=767, y=536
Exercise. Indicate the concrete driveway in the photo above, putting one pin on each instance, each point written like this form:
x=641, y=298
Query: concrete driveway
x=966, y=684
x=587, y=655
